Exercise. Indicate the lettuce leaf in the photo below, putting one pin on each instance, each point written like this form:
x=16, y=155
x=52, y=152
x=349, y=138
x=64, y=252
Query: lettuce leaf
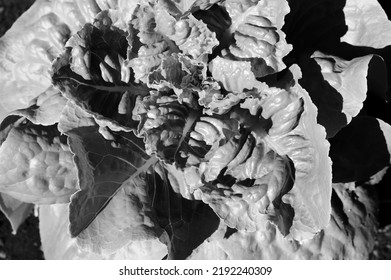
x=29, y=47
x=312, y=165
x=368, y=24
x=36, y=164
x=339, y=87
x=191, y=36
x=155, y=34
x=352, y=80
x=104, y=165
x=258, y=39
x=44, y=109
x=92, y=73
x=57, y=243
x=350, y=234
x=187, y=223
x=128, y=218
x=242, y=163
x=186, y=77
x=147, y=45
x=235, y=76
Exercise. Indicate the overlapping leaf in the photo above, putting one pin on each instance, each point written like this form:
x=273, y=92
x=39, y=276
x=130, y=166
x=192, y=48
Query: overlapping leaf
x=187, y=223
x=57, y=243
x=45, y=108
x=349, y=235
x=339, y=87
x=128, y=218
x=259, y=44
x=104, y=165
x=36, y=164
x=92, y=73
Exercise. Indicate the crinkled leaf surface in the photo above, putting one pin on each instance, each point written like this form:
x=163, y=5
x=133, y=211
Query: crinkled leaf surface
x=190, y=35
x=259, y=44
x=37, y=38
x=29, y=47
x=45, y=108
x=349, y=235
x=154, y=34
x=92, y=73
x=312, y=165
x=228, y=160
x=36, y=164
x=103, y=165
x=15, y=210
x=360, y=150
x=236, y=76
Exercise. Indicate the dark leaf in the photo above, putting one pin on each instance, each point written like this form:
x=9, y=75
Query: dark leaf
x=187, y=222
x=104, y=164
x=92, y=73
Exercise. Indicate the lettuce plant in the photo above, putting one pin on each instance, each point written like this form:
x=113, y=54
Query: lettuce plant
x=209, y=129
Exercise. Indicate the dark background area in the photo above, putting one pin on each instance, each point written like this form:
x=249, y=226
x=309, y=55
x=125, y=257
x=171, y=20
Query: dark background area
x=26, y=243
x=377, y=108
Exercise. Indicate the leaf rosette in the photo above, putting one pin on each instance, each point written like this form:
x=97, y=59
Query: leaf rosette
x=255, y=162
x=162, y=124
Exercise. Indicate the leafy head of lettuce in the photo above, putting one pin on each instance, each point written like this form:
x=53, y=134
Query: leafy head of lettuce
x=167, y=129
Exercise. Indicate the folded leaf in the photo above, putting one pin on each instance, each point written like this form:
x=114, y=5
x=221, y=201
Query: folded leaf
x=251, y=163
x=164, y=124
x=327, y=99
x=235, y=76
x=191, y=36
x=313, y=168
x=258, y=39
x=92, y=73
x=160, y=34
x=187, y=77
x=147, y=45
x=349, y=79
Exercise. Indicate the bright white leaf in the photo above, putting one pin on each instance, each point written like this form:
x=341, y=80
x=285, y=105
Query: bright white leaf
x=367, y=23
